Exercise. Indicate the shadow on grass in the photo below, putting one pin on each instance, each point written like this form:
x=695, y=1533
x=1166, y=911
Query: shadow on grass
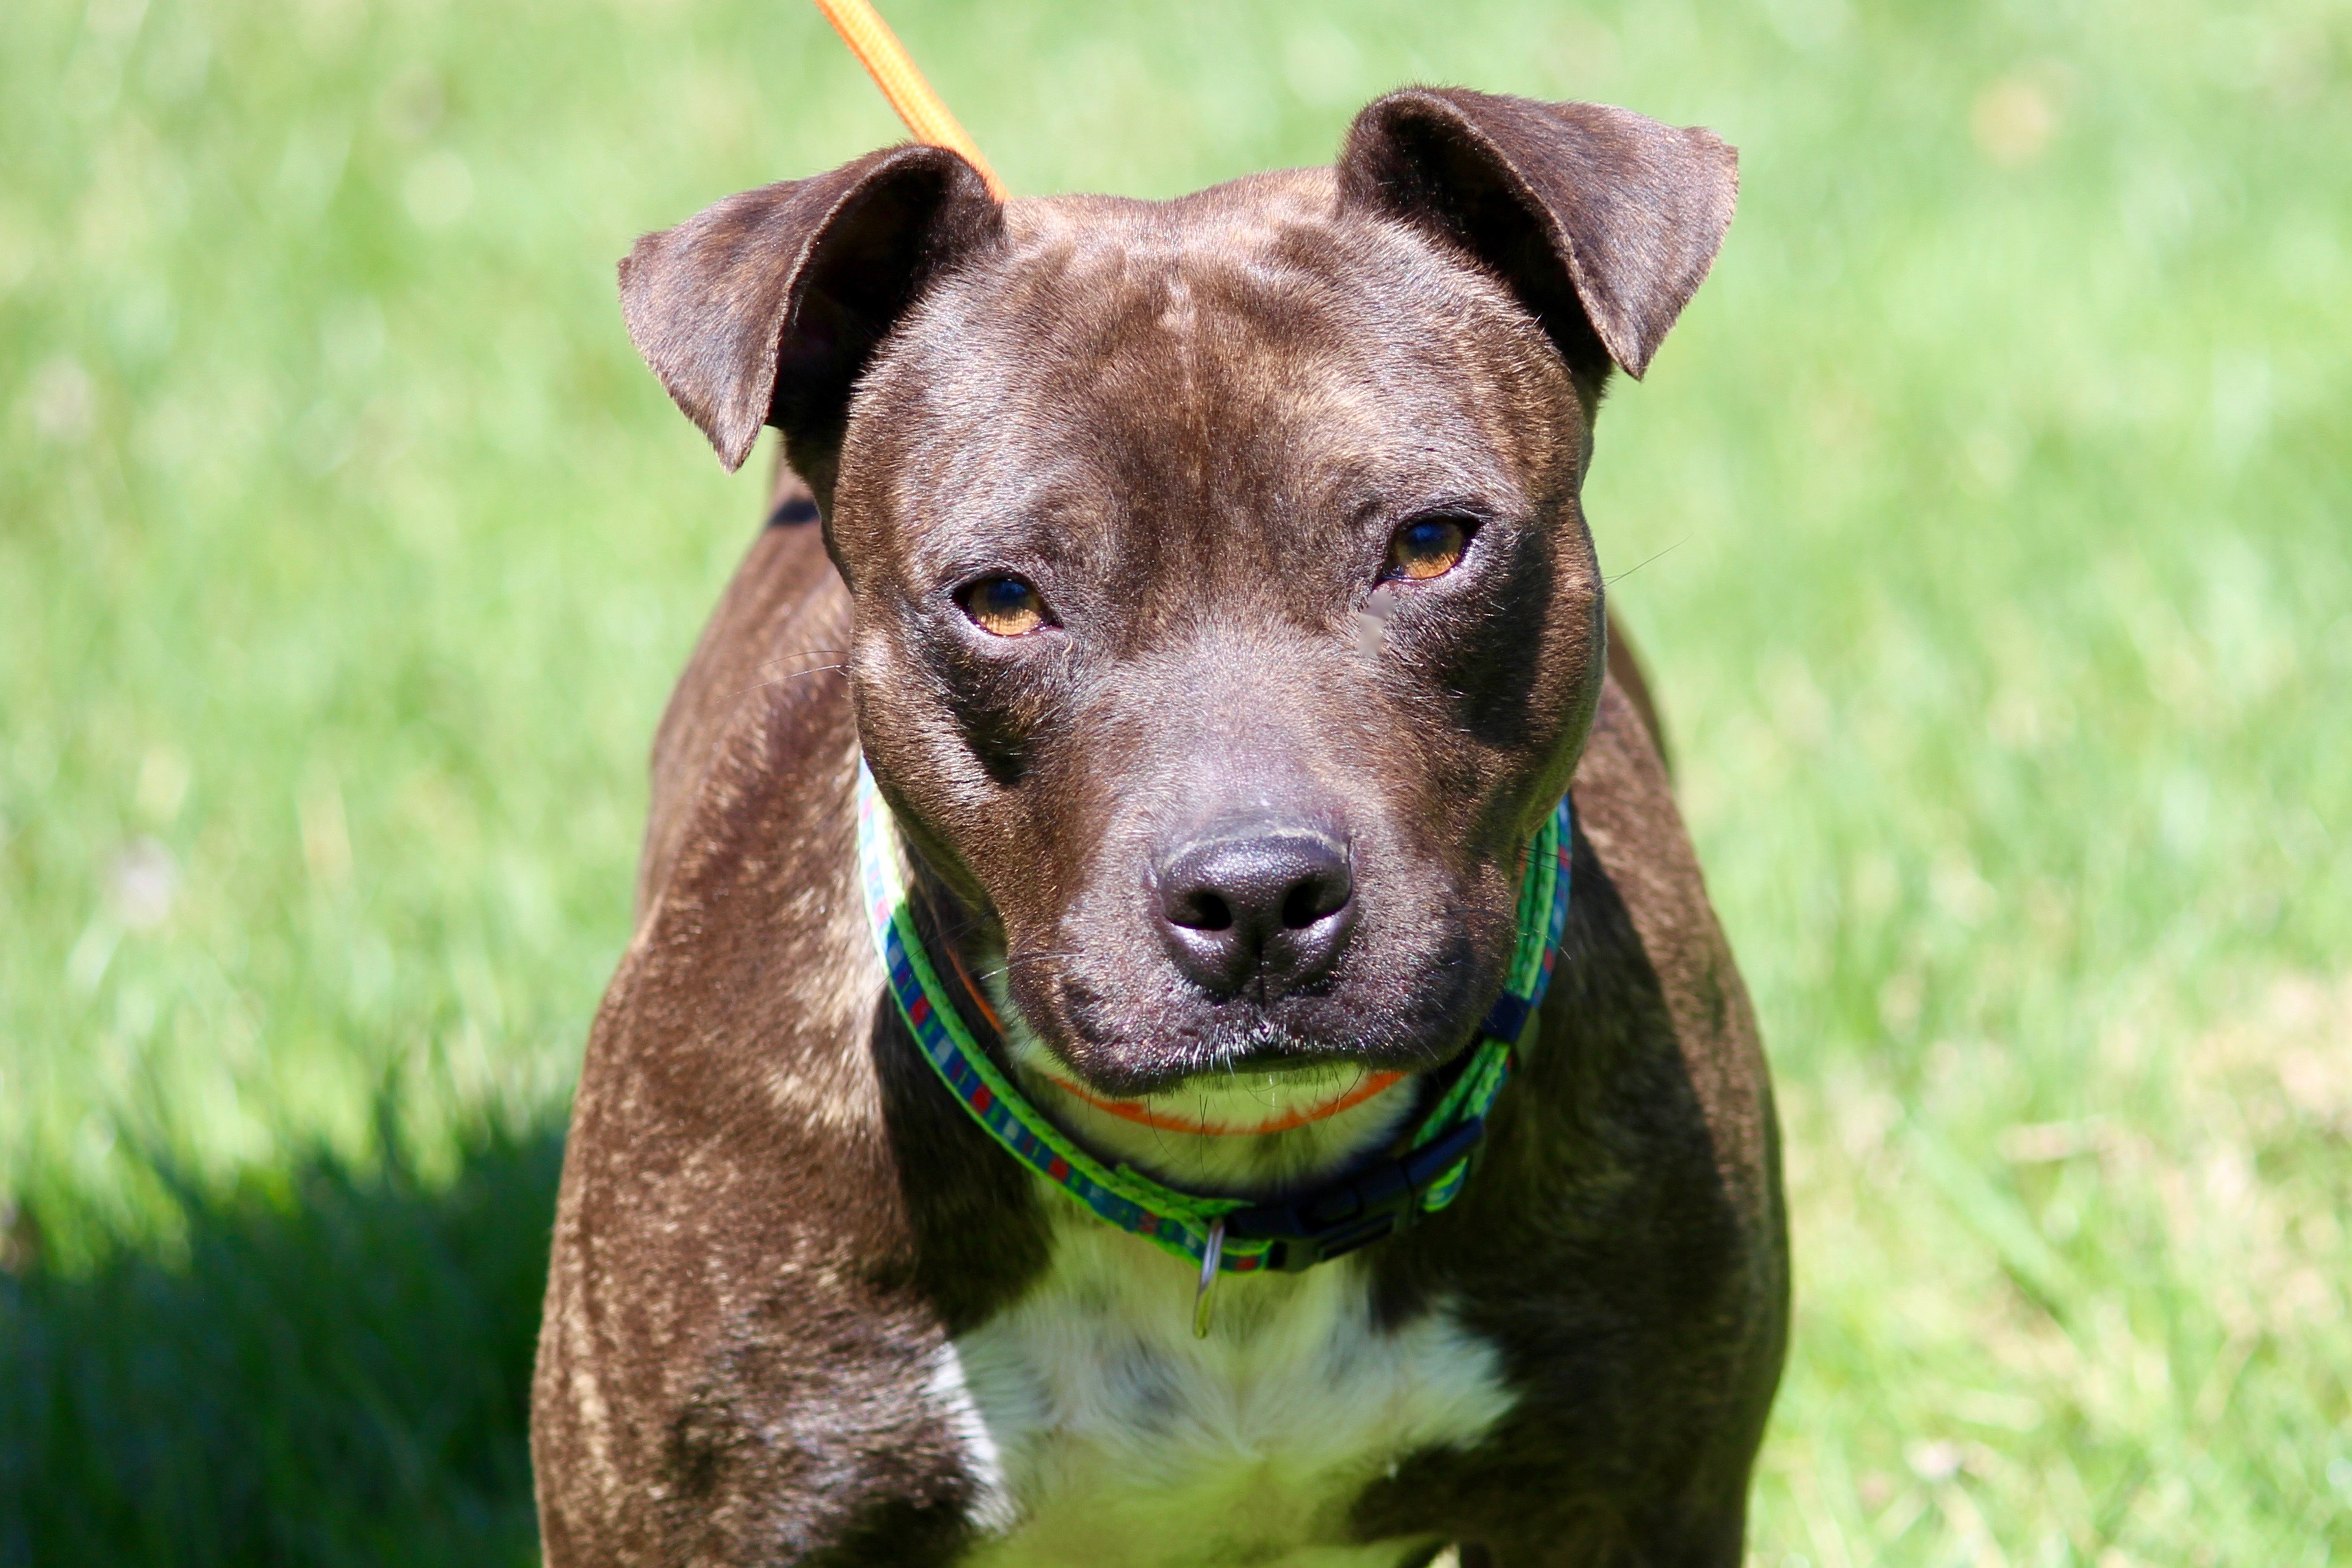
x=337, y=1372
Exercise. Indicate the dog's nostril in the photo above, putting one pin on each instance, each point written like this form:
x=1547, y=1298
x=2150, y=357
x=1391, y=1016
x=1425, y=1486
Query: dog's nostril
x=1317, y=898
x=1203, y=911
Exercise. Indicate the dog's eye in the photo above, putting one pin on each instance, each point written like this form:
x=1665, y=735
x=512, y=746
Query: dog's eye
x=1427, y=548
x=1002, y=606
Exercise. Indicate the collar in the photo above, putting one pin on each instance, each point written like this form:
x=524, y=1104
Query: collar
x=1228, y=1235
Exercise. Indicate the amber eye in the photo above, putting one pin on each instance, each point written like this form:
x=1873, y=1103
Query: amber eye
x=1427, y=548
x=1002, y=606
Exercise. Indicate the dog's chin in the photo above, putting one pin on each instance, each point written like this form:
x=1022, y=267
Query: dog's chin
x=1272, y=1109
x=1255, y=1133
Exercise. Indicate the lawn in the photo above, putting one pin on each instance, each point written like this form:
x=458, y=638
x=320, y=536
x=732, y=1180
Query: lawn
x=1988, y=523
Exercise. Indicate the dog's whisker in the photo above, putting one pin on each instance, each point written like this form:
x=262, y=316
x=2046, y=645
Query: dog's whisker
x=1028, y=957
x=796, y=675
x=1645, y=560
x=803, y=653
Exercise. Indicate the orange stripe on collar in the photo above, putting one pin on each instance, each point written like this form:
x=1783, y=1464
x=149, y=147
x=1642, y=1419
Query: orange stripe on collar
x=1131, y=1111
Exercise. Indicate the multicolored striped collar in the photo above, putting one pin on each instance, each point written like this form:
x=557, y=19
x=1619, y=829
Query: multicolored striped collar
x=1228, y=1235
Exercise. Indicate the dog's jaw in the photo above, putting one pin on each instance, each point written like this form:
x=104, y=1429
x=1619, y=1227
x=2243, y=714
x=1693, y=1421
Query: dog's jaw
x=1241, y=1163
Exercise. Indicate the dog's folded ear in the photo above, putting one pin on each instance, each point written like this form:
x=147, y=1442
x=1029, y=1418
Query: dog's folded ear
x=762, y=308
x=1604, y=223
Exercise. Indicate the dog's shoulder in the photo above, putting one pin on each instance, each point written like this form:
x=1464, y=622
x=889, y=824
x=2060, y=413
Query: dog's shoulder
x=1669, y=940
x=772, y=650
x=732, y=1305
x=1621, y=1246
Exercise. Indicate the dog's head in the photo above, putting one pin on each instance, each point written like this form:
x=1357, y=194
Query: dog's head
x=1225, y=616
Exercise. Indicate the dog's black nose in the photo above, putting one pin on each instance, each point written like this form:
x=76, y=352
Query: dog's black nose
x=1266, y=908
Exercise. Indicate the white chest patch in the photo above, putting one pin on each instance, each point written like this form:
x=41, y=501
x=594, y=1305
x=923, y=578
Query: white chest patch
x=1112, y=1438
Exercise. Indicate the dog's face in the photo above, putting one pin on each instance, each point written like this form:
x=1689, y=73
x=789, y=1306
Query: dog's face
x=1225, y=620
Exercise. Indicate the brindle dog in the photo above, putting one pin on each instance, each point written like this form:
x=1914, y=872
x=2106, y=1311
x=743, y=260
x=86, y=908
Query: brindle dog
x=1206, y=584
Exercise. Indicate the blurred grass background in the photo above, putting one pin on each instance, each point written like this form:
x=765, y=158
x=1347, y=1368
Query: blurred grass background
x=1987, y=525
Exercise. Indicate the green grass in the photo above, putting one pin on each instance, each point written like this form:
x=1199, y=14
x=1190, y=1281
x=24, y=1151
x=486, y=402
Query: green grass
x=1987, y=525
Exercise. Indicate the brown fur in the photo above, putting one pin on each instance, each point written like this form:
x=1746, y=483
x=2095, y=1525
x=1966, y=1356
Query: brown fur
x=1193, y=424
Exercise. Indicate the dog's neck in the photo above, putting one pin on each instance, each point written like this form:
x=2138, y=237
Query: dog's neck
x=1204, y=1135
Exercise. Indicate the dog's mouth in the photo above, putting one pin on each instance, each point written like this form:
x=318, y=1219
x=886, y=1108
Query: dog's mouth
x=1259, y=1118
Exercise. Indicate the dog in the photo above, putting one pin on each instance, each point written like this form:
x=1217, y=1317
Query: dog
x=1172, y=691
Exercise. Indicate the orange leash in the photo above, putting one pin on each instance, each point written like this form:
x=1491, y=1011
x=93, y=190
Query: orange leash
x=885, y=60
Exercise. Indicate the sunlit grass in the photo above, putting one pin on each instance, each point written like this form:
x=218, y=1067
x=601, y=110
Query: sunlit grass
x=1987, y=525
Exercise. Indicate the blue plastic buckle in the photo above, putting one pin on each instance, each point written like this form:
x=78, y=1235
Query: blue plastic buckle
x=1379, y=1200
